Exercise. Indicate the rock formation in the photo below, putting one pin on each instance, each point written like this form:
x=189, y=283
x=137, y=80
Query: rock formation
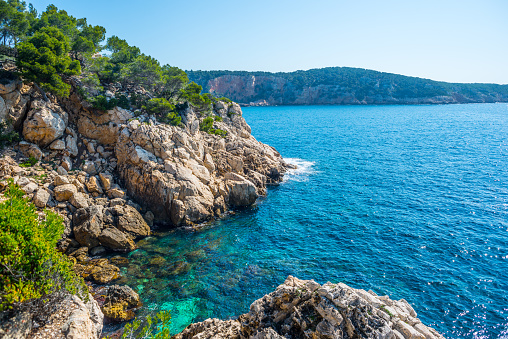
x=305, y=309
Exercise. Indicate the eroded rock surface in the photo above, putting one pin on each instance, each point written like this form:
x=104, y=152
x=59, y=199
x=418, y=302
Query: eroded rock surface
x=305, y=309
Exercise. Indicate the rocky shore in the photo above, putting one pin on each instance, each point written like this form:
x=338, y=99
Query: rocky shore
x=112, y=176
x=305, y=309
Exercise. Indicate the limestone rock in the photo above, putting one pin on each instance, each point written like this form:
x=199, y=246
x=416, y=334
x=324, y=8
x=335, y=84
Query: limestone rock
x=30, y=150
x=9, y=85
x=30, y=187
x=45, y=123
x=66, y=163
x=242, y=192
x=305, y=309
x=65, y=192
x=113, y=238
x=128, y=220
x=106, y=180
x=78, y=200
x=88, y=225
x=90, y=168
x=119, y=303
x=94, y=186
x=72, y=145
x=41, y=198
x=57, y=145
x=62, y=171
x=60, y=180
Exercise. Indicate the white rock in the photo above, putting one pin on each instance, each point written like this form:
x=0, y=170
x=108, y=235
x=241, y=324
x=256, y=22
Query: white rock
x=41, y=198
x=57, y=145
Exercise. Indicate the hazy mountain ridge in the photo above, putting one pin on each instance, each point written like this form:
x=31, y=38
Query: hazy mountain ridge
x=341, y=86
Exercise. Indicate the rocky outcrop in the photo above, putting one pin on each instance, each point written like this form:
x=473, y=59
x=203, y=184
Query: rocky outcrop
x=305, y=309
x=120, y=302
x=182, y=175
x=59, y=315
x=45, y=123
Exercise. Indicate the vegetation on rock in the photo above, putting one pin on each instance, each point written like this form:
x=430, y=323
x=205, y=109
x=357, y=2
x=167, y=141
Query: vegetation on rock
x=207, y=126
x=30, y=265
x=54, y=45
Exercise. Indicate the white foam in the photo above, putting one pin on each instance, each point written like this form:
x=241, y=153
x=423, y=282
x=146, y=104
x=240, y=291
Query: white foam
x=302, y=171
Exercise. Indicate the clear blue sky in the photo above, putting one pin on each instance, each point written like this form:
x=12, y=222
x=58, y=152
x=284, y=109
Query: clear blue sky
x=449, y=40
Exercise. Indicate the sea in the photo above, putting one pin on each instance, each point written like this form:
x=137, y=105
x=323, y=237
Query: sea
x=406, y=201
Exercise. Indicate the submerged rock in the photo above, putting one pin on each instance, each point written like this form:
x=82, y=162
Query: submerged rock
x=305, y=309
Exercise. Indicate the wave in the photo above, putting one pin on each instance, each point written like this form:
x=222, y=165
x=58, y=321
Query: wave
x=302, y=171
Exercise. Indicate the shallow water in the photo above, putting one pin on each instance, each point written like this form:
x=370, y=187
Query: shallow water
x=409, y=201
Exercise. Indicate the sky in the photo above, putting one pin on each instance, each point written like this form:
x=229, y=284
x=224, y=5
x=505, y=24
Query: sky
x=446, y=40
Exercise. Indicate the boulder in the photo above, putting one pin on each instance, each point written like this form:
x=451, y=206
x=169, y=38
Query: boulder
x=242, y=192
x=30, y=187
x=41, y=198
x=78, y=200
x=57, y=145
x=72, y=145
x=119, y=303
x=9, y=85
x=66, y=163
x=128, y=220
x=30, y=150
x=94, y=186
x=60, y=180
x=65, y=192
x=88, y=225
x=107, y=180
x=84, y=321
x=114, y=239
x=45, y=123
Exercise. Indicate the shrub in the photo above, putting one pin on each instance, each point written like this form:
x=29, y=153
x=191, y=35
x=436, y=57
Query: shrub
x=29, y=163
x=224, y=99
x=219, y=132
x=207, y=126
x=102, y=103
x=7, y=137
x=163, y=110
x=158, y=324
x=30, y=265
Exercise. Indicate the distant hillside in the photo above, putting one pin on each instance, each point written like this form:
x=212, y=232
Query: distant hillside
x=340, y=86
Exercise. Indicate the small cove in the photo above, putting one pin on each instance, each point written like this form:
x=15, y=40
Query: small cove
x=409, y=201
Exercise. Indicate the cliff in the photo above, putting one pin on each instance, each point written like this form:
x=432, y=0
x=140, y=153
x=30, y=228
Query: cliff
x=340, y=86
x=305, y=309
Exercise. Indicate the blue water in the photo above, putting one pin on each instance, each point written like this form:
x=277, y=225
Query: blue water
x=409, y=201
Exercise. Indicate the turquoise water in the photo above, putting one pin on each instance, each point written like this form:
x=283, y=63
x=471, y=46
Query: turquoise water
x=409, y=201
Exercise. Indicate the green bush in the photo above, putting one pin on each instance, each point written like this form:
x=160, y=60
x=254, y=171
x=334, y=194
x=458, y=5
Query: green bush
x=7, y=137
x=30, y=265
x=29, y=163
x=102, y=103
x=158, y=324
x=207, y=126
x=163, y=110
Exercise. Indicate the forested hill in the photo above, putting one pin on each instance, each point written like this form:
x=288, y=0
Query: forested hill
x=340, y=85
